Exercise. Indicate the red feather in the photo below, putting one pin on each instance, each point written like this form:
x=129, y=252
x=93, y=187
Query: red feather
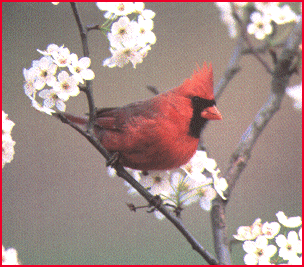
x=155, y=134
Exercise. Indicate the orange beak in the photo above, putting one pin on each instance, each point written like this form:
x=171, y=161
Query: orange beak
x=211, y=113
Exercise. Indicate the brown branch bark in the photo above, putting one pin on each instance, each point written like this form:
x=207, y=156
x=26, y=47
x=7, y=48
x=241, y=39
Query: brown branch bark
x=241, y=156
x=218, y=220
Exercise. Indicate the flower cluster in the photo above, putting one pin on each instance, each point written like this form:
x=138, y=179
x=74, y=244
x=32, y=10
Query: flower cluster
x=287, y=250
x=263, y=15
x=268, y=12
x=130, y=40
x=7, y=141
x=9, y=256
x=198, y=180
x=63, y=86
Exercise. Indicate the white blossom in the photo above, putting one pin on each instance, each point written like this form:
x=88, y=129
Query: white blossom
x=40, y=107
x=122, y=55
x=79, y=68
x=249, y=232
x=198, y=163
x=270, y=230
x=61, y=56
x=145, y=31
x=116, y=8
x=7, y=124
x=188, y=189
x=139, y=7
x=290, y=246
x=66, y=86
x=260, y=25
x=282, y=15
x=123, y=32
x=43, y=73
x=51, y=99
x=207, y=194
x=220, y=184
x=29, y=85
x=9, y=256
x=157, y=182
x=295, y=92
x=258, y=252
x=45, y=70
x=7, y=141
x=290, y=222
x=266, y=8
x=51, y=48
x=7, y=149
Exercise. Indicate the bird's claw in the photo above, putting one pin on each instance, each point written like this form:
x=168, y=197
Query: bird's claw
x=156, y=202
x=113, y=160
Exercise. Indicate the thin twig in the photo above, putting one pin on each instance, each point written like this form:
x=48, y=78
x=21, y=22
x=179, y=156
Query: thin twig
x=243, y=32
x=93, y=27
x=153, y=89
x=82, y=30
x=88, y=88
x=261, y=49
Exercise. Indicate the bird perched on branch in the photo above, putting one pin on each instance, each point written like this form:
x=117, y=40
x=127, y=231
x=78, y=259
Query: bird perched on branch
x=160, y=133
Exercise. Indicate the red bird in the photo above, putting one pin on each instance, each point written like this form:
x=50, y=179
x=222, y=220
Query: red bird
x=160, y=133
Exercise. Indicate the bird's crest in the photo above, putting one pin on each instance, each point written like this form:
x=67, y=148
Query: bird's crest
x=200, y=84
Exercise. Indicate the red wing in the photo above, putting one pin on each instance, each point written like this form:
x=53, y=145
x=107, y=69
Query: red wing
x=116, y=119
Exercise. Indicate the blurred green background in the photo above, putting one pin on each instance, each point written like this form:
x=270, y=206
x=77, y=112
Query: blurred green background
x=59, y=206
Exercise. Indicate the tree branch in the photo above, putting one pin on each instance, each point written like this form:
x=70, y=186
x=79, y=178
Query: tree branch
x=221, y=243
x=281, y=76
x=241, y=156
x=88, y=86
x=121, y=172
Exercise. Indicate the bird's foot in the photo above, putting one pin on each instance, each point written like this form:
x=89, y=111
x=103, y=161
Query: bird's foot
x=113, y=160
x=156, y=202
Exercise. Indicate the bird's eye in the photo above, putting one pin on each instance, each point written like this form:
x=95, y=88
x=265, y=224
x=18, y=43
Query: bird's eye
x=196, y=100
x=201, y=102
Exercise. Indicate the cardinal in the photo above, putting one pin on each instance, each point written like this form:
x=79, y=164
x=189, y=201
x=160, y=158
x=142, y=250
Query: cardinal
x=160, y=133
